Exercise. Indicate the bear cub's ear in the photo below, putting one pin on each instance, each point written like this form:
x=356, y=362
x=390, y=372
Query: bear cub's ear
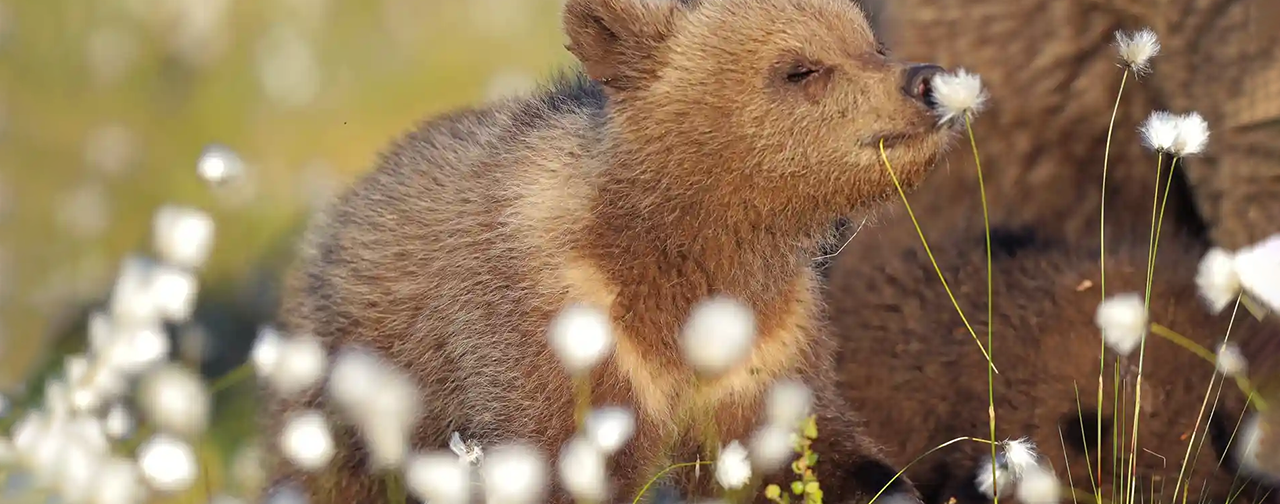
x=618, y=40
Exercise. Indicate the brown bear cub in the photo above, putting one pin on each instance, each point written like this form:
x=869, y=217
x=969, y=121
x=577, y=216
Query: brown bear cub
x=910, y=367
x=1043, y=153
x=706, y=151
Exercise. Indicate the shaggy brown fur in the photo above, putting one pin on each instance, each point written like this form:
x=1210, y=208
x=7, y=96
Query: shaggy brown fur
x=708, y=154
x=908, y=364
x=1053, y=78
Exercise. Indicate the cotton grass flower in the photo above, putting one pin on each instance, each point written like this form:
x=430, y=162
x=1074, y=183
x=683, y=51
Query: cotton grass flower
x=168, y=464
x=1159, y=131
x=306, y=440
x=1230, y=362
x=301, y=365
x=119, y=482
x=1193, y=135
x=1217, y=280
x=609, y=428
x=438, y=478
x=176, y=400
x=1255, y=438
x=383, y=403
x=1123, y=321
x=266, y=351
x=514, y=474
x=1038, y=486
x=219, y=164
x=118, y=423
x=182, y=236
x=1012, y=462
x=469, y=453
x=1258, y=267
x=957, y=95
x=788, y=402
x=733, y=467
x=583, y=470
x=772, y=447
x=1137, y=48
x=719, y=335
x=581, y=336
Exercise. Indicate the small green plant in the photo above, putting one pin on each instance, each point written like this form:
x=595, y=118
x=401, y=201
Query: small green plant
x=806, y=488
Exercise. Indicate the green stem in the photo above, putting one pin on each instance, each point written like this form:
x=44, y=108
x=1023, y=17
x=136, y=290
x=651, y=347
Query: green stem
x=1102, y=253
x=668, y=469
x=986, y=226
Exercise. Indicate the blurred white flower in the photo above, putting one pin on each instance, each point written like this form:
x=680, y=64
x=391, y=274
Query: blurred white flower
x=1038, y=486
x=583, y=470
x=733, y=468
x=514, y=474
x=182, y=236
x=301, y=364
x=993, y=486
x=788, y=402
x=609, y=428
x=1017, y=455
x=218, y=164
x=266, y=351
x=469, y=453
x=1193, y=135
x=1230, y=361
x=247, y=468
x=1217, y=280
x=1137, y=48
x=306, y=440
x=957, y=94
x=438, y=478
x=1159, y=131
x=288, y=69
x=176, y=399
x=118, y=423
x=581, y=336
x=1258, y=267
x=84, y=211
x=386, y=439
x=356, y=371
x=718, y=335
x=1123, y=321
x=772, y=447
x=168, y=464
x=78, y=465
x=174, y=293
x=118, y=482
x=137, y=348
x=99, y=385
x=381, y=401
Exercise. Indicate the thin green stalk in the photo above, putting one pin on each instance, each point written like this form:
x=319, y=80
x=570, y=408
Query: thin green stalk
x=986, y=225
x=917, y=459
x=668, y=469
x=1242, y=382
x=1142, y=350
x=241, y=372
x=1102, y=254
x=929, y=252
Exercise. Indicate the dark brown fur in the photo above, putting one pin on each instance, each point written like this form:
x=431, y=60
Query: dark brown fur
x=910, y=367
x=1053, y=78
x=688, y=166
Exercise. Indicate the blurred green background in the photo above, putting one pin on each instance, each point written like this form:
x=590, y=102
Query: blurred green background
x=106, y=105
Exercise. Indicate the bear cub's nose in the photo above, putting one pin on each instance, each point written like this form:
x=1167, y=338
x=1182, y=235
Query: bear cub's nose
x=918, y=82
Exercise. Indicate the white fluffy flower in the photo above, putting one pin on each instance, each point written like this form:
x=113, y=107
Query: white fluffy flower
x=788, y=402
x=718, y=335
x=119, y=482
x=118, y=423
x=1123, y=321
x=772, y=447
x=1038, y=486
x=168, y=464
x=609, y=428
x=733, y=467
x=1259, y=268
x=1217, y=280
x=1230, y=361
x=581, y=336
x=583, y=470
x=266, y=351
x=306, y=440
x=514, y=474
x=1251, y=438
x=136, y=348
x=182, y=236
x=469, y=453
x=1136, y=49
x=1193, y=135
x=78, y=463
x=173, y=291
x=989, y=484
x=957, y=95
x=1018, y=455
x=132, y=296
x=176, y=399
x=219, y=164
x=1159, y=131
x=382, y=402
x=438, y=478
x=301, y=364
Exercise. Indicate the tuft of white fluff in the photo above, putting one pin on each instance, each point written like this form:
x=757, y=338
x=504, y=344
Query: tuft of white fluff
x=514, y=474
x=182, y=236
x=733, y=467
x=1038, y=486
x=438, y=478
x=1159, y=131
x=718, y=335
x=168, y=464
x=306, y=440
x=266, y=351
x=1217, y=280
x=788, y=402
x=1258, y=266
x=989, y=484
x=469, y=453
x=119, y=482
x=1230, y=361
x=581, y=336
x=583, y=471
x=1251, y=438
x=1123, y=321
x=1013, y=460
x=958, y=94
x=1018, y=455
x=1137, y=48
x=609, y=428
x=382, y=402
x=300, y=365
x=176, y=399
x=772, y=447
x=1193, y=135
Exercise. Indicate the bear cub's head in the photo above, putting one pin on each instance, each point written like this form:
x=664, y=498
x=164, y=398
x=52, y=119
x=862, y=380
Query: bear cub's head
x=786, y=98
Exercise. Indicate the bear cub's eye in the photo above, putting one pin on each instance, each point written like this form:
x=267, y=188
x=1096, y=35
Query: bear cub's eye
x=800, y=72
